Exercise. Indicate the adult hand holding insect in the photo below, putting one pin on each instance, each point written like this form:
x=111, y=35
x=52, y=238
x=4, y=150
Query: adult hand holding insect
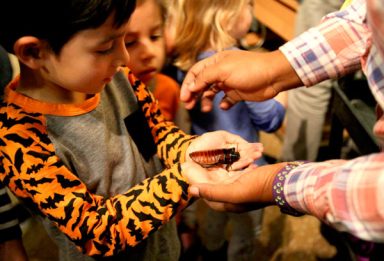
x=198, y=175
x=239, y=191
x=219, y=140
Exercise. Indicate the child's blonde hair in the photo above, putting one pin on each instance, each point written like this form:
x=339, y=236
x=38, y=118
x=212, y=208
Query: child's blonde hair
x=202, y=24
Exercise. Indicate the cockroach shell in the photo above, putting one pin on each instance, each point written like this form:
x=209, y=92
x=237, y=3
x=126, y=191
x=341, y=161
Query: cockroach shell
x=206, y=158
x=210, y=158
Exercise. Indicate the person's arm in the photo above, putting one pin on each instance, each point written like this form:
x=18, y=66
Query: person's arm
x=243, y=75
x=98, y=226
x=171, y=142
x=345, y=194
x=330, y=50
x=11, y=244
x=174, y=146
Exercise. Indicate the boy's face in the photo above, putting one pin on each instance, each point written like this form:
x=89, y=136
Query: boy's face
x=88, y=61
x=145, y=41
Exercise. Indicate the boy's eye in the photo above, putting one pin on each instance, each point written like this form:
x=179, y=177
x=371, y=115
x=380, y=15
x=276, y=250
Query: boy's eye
x=129, y=43
x=106, y=51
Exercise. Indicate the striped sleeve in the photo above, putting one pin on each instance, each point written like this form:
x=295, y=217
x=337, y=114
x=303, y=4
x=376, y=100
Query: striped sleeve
x=345, y=194
x=170, y=140
x=9, y=224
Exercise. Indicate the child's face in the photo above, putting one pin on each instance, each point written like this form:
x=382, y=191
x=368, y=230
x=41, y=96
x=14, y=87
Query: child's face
x=145, y=41
x=88, y=61
x=243, y=22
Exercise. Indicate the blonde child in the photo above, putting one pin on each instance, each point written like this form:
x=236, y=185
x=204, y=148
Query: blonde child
x=198, y=29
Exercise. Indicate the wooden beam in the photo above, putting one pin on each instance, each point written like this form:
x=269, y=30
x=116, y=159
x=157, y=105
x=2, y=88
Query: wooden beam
x=277, y=15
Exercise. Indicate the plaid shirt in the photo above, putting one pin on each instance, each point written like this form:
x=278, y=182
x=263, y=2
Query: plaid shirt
x=345, y=194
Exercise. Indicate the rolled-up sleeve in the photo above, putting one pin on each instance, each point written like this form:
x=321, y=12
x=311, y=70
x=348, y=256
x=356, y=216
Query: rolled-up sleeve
x=334, y=48
x=344, y=194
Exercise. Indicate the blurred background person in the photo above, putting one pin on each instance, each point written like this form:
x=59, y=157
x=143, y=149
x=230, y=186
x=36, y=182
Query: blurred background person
x=307, y=108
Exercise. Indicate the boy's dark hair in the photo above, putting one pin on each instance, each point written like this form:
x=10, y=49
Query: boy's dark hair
x=56, y=21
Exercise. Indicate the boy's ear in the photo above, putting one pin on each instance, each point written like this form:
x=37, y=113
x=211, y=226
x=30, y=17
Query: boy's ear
x=29, y=50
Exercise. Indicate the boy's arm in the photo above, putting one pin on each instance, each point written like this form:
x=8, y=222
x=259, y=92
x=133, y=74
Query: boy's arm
x=171, y=142
x=99, y=226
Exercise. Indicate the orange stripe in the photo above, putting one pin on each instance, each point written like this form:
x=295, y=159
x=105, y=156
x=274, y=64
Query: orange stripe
x=33, y=105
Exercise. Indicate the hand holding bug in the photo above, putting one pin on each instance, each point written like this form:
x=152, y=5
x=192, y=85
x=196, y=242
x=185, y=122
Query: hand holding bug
x=239, y=191
x=197, y=174
x=218, y=142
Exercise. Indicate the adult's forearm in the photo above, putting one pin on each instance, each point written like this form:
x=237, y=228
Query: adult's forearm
x=344, y=194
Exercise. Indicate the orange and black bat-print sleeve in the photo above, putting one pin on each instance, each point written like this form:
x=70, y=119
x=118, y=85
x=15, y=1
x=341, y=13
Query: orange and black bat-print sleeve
x=171, y=142
x=98, y=226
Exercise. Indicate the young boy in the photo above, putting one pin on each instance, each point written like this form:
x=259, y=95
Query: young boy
x=72, y=116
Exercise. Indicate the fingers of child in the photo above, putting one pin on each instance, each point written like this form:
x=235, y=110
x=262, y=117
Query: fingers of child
x=193, y=172
x=249, y=152
x=252, y=150
x=241, y=164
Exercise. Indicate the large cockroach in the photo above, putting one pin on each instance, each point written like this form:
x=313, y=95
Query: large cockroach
x=212, y=158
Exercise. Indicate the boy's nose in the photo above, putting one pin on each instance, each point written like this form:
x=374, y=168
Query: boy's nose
x=123, y=56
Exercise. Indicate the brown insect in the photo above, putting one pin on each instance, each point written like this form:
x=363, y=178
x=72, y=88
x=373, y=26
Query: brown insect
x=212, y=158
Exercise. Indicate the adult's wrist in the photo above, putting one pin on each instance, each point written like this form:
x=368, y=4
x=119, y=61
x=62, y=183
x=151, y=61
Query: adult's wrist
x=278, y=188
x=283, y=74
